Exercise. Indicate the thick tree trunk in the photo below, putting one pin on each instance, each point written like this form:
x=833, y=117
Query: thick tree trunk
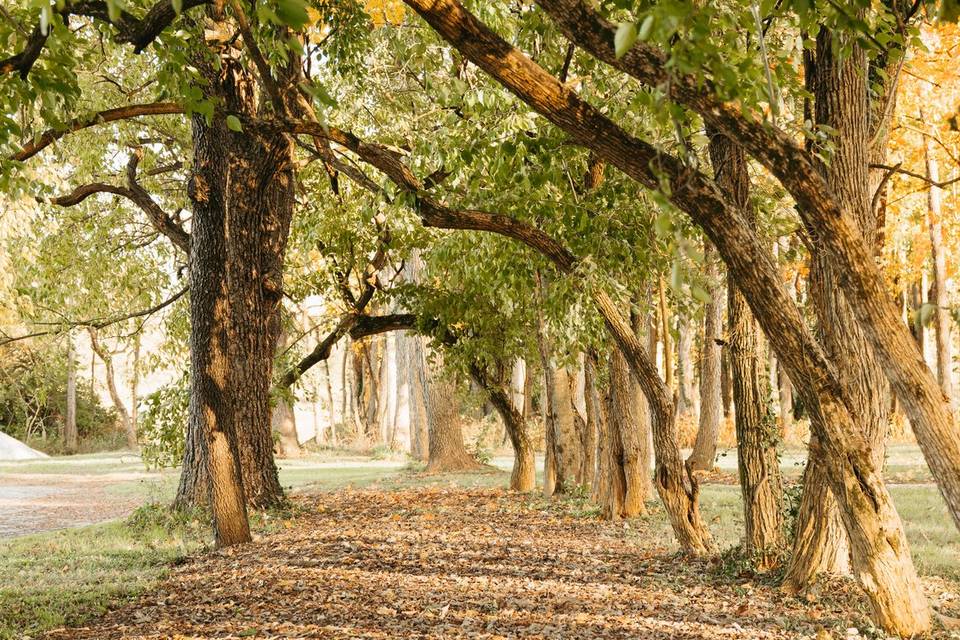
x=211, y=470
x=259, y=211
x=938, y=297
x=757, y=460
x=628, y=479
x=566, y=442
x=840, y=102
x=588, y=433
x=125, y=422
x=70, y=436
x=447, y=451
x=711, y=402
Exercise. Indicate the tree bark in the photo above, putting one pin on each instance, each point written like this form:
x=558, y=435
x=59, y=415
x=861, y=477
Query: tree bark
x=628, y=478
x=128, y=427
x=939, y=298
x=711, y=402
x=70, y=435
x=688, y=402
x=524, y=474
x=211, y=470
x=447, y=451
x=757, y=462
x=840, y=94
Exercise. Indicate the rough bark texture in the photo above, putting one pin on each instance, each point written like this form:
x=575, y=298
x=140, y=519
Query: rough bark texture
x=711, y=402
x=260, y=208
x=840, y=94
x=629, y=479
x=882, y=557
x=447, y=451
x=211, y=469
x=757, y=461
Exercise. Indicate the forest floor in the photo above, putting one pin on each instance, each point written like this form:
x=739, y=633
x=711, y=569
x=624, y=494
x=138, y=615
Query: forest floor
x=452, y=562
x=373, y=548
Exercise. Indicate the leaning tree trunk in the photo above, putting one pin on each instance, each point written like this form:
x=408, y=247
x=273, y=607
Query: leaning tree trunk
x=820, y=545
x=711, y=403
x=881, y=553
x=126, y=422
x=757, y=460
x=211, y=469
x=524, y=474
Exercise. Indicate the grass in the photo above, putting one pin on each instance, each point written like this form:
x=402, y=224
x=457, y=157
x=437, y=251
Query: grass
x=64, y=577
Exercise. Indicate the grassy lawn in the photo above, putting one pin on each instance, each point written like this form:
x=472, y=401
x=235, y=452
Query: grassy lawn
x=63, y=577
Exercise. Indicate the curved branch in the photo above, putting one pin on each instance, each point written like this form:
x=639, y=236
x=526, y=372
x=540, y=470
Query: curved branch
x=99, y=323
x=139, y=32
x=101, y=117
x=134, y=192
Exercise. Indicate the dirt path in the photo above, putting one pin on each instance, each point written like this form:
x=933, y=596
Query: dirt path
x=31, y=503
x=455, y=563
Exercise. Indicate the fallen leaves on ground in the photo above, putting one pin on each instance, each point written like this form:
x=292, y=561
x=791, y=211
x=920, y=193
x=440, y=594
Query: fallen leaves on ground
x=463, y=563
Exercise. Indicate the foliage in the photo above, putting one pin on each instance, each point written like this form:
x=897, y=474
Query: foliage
x=33, y=400
x=163, y=423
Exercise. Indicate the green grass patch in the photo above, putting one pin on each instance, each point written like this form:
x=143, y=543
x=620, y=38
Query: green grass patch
x=64, y=577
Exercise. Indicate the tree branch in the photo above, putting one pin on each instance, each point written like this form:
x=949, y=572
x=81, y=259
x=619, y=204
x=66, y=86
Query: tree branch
x=139, y=32
x=99, y=323
x=101, y=117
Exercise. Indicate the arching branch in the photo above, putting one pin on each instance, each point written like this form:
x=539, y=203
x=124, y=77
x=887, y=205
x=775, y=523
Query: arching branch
x=101, y=117
x=134, y=192
x=139, y=32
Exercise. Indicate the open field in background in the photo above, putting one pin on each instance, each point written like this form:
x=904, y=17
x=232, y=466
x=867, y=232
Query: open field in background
x=64, y=576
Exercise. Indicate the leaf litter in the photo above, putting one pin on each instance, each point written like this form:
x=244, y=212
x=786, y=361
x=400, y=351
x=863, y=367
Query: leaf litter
x=445, y=562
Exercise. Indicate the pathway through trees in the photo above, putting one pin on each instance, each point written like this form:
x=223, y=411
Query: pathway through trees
x=459, y=563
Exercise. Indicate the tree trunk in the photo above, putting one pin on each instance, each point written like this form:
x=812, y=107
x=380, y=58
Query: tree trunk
x=566, y=442
x=881, y=554
x=837, y=86
x=260, y=208
x=688, y=402
x=70, y=436
x=757, y=460
x=447, y=451
x=629, y=482
x=588, y=435
x=711, y=402
x=284, y=422
x=524, y=474
x=211, y=470
x=126, y=423
x=939, y=298
x=135, y=386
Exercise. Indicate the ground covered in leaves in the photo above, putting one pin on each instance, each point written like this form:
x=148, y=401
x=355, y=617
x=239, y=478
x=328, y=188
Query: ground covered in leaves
x=443, y=562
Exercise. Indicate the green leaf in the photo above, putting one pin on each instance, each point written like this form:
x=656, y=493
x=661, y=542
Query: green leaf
x=177, y=6
x=233, y=123
x=293, y=13
x=625, y=37
x=113, y=10
x=645, y=28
